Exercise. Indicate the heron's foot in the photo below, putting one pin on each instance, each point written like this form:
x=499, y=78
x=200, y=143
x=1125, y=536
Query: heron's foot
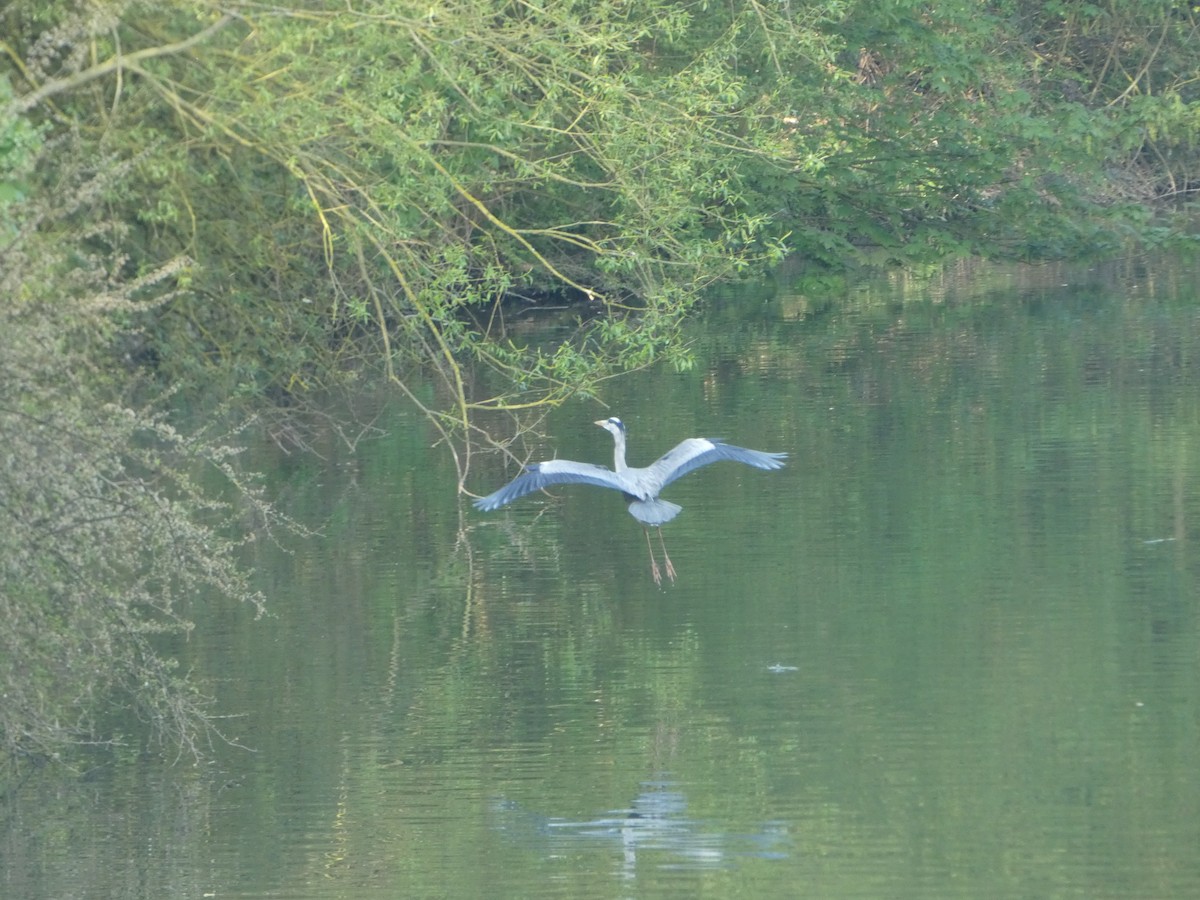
x=656, y=574
x=670, y=568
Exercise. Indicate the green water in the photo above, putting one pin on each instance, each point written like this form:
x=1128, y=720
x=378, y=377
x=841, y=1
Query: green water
x=952, y=650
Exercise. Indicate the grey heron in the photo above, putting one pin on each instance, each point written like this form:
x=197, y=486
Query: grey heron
x=641, y=486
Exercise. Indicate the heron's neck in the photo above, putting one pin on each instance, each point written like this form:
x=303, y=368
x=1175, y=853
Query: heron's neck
x=619, y=452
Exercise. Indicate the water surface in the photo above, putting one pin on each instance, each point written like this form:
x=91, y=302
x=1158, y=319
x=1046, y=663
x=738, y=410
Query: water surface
x=951, y=650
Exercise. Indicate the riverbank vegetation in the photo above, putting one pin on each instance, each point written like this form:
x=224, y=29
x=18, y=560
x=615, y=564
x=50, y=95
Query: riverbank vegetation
x=264, y=202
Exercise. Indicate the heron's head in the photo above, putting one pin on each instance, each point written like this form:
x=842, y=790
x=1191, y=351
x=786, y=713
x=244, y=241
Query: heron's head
x=612, y=425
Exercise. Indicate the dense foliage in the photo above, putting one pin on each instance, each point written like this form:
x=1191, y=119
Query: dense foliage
x=281, y=195
x=388, y=180
x=106, y=533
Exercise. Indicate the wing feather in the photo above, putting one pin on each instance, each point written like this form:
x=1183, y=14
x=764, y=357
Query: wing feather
x=689, y=455
x=545, y=474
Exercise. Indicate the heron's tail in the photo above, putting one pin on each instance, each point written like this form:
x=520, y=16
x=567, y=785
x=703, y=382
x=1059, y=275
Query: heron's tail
x=654, y=512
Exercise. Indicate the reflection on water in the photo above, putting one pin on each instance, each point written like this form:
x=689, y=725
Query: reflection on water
x=655, y=825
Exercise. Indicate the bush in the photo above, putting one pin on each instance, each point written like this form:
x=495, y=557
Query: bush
x=105, y=533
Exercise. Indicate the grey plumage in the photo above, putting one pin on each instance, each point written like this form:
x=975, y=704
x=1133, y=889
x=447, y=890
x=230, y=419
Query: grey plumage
x=641, y=486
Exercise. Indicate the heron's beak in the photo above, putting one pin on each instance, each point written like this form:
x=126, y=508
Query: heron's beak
x=601, y=422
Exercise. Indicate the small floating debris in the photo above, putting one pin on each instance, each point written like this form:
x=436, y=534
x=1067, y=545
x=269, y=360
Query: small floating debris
x=1159, y=540
x=778, y=667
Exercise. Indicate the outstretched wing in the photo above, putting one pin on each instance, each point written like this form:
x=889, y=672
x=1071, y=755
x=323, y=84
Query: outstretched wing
x=541, y=475
x=686, y=456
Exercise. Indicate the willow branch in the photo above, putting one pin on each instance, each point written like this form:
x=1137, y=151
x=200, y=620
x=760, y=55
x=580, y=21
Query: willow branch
x=113, y=64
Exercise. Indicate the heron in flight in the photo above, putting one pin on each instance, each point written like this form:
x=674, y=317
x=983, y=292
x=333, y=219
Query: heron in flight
x=641, y=486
